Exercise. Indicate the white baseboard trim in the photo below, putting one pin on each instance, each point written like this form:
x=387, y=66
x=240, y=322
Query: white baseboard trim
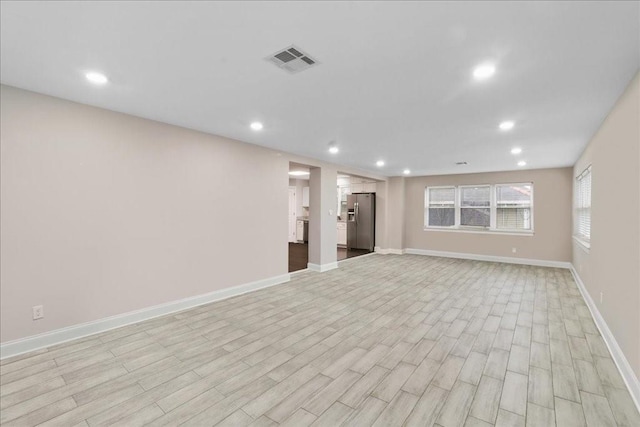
x=491, y=258
x=389, y=251
x=59, y=336
x=629, y=377
x=321, y=268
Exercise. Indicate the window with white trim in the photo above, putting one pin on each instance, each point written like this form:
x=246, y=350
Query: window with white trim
x=475, y=206
x=583, y=205
x=513, y=206
x=488, y=207
x=440, y=207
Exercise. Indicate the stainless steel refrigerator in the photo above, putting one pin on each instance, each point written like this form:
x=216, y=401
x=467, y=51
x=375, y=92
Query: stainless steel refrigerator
x=361, y=221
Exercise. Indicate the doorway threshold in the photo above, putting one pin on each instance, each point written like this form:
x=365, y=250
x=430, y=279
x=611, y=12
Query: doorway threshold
x=295, y=273
x=356, y=257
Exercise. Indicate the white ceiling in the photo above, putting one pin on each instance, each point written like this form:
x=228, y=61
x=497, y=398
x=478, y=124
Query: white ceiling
x=394, y=81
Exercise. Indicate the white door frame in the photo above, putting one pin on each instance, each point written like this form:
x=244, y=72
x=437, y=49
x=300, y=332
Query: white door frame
x=293, y=216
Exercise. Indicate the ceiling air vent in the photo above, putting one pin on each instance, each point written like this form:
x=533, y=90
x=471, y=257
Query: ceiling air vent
x=292, y=59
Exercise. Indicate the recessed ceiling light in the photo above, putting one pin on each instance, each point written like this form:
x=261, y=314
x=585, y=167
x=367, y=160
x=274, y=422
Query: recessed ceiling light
x=96, y=78
x=380, y=163
x=256, y=126
x=508, y=125
x=516, y=150
x=298, y=173
x=333, y=147
x=522, y=163
x=484, y=71
x=406, y=171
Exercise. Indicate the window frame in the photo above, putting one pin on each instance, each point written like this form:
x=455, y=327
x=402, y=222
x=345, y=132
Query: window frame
x=460, y=207
x=583, y=239
x=427, y=205
x=492, y=229
x=495, y=206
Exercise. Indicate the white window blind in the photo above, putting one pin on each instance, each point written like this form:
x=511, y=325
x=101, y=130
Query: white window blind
x=441, y=207
x=513, y=206
x=583, y=205
x=475, y=206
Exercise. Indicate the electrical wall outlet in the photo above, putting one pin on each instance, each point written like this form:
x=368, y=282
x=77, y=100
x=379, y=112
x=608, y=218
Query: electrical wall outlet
x=38, y=312
x=514, y=250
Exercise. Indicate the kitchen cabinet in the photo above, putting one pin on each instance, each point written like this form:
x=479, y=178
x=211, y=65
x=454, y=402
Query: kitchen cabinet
x=343, y=192
x=300, y=231
x=344, y=182
x=341, y=229
x=357, y=188
x=359, y=185
x=305, y=197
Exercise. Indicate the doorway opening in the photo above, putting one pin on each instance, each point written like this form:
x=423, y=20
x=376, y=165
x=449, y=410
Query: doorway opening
x=355, y=212
x=298, y=217
x=356, y=216
x=292, y=214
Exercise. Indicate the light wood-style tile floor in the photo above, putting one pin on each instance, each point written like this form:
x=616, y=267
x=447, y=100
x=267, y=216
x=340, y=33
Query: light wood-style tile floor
x=384, y=340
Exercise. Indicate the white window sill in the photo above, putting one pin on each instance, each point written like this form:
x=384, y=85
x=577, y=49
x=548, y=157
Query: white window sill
x=528, y=233
x=585, y=245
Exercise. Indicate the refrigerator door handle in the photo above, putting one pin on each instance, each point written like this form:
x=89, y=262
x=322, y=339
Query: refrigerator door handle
x=356, y=206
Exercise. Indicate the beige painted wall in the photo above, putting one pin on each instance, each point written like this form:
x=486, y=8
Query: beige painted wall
x=396, y=213
x=552, y=217
x=612, y=264
x=382, y=208
x=104, y=213
x=323, y=244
